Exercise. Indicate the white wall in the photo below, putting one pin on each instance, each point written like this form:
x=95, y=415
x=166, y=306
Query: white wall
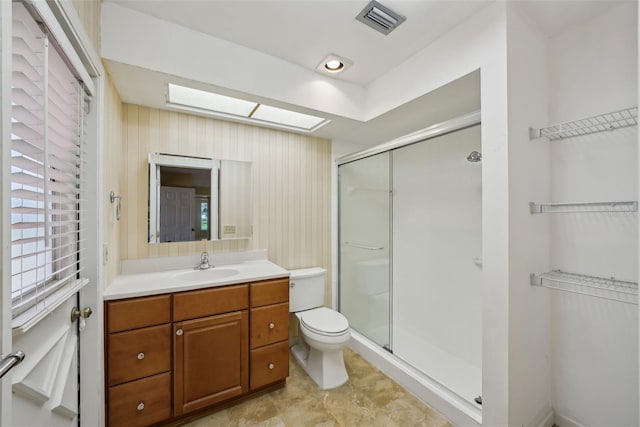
x=529, y=369
x=594, y=351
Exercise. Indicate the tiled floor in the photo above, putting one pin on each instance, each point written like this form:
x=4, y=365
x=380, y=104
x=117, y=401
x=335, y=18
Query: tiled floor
x=369, y=398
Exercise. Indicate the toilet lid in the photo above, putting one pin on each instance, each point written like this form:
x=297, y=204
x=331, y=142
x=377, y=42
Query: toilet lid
x=324, y=321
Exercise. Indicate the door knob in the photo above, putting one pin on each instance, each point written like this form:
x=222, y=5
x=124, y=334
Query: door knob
x=84, y=313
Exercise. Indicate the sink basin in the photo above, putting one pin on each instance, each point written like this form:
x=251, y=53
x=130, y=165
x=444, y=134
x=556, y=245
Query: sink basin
x=205, y=275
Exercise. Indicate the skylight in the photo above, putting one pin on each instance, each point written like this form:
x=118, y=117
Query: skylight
x=285, y=117
x=228, y=107
x=190, y=97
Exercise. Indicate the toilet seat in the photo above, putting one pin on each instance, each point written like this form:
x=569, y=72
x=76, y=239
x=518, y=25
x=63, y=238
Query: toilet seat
x=324, y=321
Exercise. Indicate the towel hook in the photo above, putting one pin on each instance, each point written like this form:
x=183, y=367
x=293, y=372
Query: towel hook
x=113, y=198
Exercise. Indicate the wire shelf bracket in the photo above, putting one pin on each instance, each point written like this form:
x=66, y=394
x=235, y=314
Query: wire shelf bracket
x=599, y=123
x=607, y=288
x=587, y=207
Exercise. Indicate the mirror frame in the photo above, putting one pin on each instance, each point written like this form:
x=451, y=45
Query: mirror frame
x=174, y=160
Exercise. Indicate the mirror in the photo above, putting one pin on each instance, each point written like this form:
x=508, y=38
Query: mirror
x=193, y=198
x=235, y=200
x=183, y=198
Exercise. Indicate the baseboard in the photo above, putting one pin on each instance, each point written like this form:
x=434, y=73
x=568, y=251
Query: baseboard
x=545, y=419
x=562, y=421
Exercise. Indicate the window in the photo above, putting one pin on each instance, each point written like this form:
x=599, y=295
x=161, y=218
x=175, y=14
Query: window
x=204, y=215
x=46, y=172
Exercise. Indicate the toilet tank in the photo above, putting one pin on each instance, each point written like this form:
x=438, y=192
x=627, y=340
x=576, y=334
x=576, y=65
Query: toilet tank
x=306, y=289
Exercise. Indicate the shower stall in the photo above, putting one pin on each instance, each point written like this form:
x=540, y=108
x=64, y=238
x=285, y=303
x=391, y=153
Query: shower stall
x=410, y=252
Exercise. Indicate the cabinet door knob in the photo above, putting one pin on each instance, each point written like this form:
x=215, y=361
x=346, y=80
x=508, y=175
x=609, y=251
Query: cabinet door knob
x=272, y=325
x=140, y=406
x=179, y=332
x=271, y=366
x=140, y=356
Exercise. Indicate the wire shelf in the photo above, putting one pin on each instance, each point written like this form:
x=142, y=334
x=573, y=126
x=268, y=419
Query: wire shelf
x=600, y=123
x=600, y=287
x=587, y=207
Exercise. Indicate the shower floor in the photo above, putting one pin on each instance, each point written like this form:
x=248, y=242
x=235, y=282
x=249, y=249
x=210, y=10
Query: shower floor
x=455, y=373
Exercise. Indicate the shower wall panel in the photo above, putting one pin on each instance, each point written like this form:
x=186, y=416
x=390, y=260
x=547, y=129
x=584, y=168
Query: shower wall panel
x=364, y=246
x=437, y=260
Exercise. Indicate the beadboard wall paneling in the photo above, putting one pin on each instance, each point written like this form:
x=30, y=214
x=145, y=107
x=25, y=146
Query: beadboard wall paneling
x=89, y=13
x=112, y=176
x=291, y=197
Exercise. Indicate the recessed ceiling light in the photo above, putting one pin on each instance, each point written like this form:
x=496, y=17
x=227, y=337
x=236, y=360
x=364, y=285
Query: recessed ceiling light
x=213, y=104
x=333, y=64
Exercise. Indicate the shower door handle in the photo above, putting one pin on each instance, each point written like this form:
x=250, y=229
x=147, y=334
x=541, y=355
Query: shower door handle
x=366, y=247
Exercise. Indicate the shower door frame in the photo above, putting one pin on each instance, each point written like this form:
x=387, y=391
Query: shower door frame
x=439, y=129
x=453, y=125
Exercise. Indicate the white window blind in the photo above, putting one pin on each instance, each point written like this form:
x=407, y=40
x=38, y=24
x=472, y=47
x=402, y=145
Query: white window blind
x=46, y=170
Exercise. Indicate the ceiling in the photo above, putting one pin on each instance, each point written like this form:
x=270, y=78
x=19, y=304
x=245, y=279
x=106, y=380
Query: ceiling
x=303, y=32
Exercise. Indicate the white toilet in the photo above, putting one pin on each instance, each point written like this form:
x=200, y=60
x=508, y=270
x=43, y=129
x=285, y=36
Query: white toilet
x=325, y=332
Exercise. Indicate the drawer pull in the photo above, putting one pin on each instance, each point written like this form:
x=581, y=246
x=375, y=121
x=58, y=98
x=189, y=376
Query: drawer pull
x=140, y=356
x=140, y=406
x=272, y=325
x=179, y=332
x=271, y=366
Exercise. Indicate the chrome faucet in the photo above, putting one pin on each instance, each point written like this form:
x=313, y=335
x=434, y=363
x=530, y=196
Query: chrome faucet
x=204, y=261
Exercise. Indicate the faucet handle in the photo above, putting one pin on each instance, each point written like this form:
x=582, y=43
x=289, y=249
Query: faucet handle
x=204, y=261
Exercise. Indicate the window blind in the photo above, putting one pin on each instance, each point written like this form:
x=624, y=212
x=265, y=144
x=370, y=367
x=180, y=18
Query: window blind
x=46, y=169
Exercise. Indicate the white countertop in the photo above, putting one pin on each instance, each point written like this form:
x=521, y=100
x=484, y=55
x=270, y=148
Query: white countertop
x=163, y=282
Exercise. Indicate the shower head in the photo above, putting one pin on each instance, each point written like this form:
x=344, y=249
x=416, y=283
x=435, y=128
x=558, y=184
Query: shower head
x=474, y=157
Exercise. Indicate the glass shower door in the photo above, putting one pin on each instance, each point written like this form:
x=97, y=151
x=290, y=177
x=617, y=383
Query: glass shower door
x=364, y=235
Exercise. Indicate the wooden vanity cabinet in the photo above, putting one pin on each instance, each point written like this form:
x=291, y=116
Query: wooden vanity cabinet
x=210, y=353
x=171, y=355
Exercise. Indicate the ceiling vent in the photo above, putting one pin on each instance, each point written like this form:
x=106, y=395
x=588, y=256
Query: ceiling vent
x=380, y=18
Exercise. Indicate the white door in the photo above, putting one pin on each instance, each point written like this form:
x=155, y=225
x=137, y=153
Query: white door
x=45, y=384
x=42, y=200
x=177, y=218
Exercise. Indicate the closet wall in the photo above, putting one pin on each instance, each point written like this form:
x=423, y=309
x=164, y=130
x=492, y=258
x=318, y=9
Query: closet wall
x=594, y=341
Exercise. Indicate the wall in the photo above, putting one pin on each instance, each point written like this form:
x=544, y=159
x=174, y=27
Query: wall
x=113, y=178
x=89, y=13
x=594, y=342
x=291, y=185
x=527, y=85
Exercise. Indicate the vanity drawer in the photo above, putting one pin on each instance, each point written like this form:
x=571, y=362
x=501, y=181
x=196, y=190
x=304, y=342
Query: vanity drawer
x=269, y=292
x=140, y=353
x=136, y=313
x=140, y=403
x=269, y=364
x=269, y=324
x=209, y=302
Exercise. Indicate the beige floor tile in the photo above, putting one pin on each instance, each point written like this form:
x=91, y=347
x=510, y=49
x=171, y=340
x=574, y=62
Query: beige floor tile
x=369, y=398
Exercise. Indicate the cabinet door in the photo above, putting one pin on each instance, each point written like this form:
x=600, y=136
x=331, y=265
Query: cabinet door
x=210, y=360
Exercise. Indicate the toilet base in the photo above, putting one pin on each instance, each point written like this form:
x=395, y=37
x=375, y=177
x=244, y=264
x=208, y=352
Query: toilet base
x=326, y=368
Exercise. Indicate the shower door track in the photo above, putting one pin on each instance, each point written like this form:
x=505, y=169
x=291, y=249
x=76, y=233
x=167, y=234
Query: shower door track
x=459, y=123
